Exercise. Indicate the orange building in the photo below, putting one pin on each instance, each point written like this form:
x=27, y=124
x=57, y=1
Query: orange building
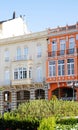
x=62, y=62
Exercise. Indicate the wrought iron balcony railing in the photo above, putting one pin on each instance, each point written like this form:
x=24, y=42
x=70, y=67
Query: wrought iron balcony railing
x=62, y=52
x=24, y=57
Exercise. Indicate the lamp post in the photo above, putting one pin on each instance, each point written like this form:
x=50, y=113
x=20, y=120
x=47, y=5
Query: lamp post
x=73, y=87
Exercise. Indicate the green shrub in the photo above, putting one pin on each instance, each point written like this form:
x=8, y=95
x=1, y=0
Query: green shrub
x=54, y=98
x=47, y=124
x=67, y=121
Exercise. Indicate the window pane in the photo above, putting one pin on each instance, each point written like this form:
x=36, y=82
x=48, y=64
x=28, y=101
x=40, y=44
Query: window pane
x=7, y=75
x=6, y=55
x=26, y=52
x=15, y=75
x=54, y=46
x=39, y=74
x=70, y=66
x=61, y=67
x=39, y=51
x=18, y=53
x=52, y=68
x=30, y=72
x=62, y=44
x=71, y=43
x=24, y=74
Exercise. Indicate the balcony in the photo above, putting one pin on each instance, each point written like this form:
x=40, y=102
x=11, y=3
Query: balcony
x=62, y=52
x=22, y=81
x=22, y=58
x=52, y=54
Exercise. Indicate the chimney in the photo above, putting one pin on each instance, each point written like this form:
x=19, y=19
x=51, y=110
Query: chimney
x=14, y=15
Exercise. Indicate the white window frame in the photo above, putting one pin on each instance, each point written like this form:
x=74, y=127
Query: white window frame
x=70, y=69
x=39, y=74
x=61, y=71
x=39, y=51
x=21, y=73
x=52, y=69
x=7, y=55
x=62, y=44
x=54, y=46
x=26, y=51
x=71, y=43
x=18, y=53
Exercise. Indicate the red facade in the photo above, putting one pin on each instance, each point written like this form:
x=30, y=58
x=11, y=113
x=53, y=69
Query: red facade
x=62, y=62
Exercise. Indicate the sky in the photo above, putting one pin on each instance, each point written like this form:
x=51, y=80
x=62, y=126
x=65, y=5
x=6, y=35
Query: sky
x=41, y=14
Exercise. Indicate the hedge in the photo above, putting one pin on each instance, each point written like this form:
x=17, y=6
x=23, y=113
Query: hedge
x=18, y=124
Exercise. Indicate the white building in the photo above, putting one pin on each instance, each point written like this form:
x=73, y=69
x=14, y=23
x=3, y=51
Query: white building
x=13, y=27
x=22, y=65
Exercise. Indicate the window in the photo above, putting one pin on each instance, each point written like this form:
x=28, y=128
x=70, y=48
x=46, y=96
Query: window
x=39, y=74
x=62, y=46
x=7, y=75
x=16, y=74
x=76, y=36
x=26, y=52
x=24, y=73
x=52, y=68
x=7, y=96
x=60, y=67
x=6, y=55
x=30, y=72
x=71, y=45
x=39, y=51
x=54, y=48
x=70, y=66
x=18, y=53
x=20, y=73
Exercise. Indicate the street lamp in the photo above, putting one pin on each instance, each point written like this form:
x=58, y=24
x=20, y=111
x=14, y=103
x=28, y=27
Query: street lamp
x=74, y=84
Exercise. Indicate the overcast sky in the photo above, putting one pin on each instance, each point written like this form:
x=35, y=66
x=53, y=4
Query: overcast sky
x=41, y=14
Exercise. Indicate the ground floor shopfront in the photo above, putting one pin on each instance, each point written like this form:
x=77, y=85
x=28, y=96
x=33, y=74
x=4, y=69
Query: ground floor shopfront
x=12, y=96
x=63, y=90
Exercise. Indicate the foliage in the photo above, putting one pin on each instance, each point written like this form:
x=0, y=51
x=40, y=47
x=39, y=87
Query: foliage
x=47, y=124
x=39, y=109
x=66, y=127
x=54, y=98
x=39, y=112
x=20, y=124
x=67, y=121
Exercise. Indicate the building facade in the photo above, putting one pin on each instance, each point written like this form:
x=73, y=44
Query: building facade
x=62, y=62
x=22, y=69
x=37, y=65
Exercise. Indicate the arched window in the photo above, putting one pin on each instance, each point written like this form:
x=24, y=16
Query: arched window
x=7, y=96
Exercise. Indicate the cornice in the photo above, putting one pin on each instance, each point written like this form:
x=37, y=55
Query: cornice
x=62, y=32
x=26, y=37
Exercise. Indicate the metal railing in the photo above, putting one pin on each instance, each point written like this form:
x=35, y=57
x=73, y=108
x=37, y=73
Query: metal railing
x=23, y=57
x=62, y=52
